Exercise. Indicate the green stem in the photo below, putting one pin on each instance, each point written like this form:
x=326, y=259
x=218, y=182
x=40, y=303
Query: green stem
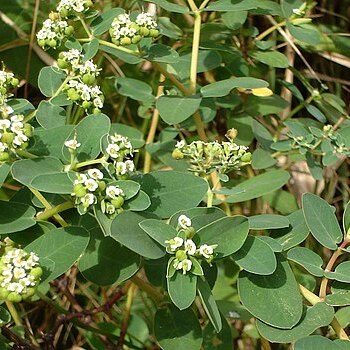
x=90, y=162
x=107, y=43
x=149, y=289
x=58, y=91
x=314, y=299
x=192, y=5
x=47, y=206
x=87, y=31
x=299, y=107
x=48, y=213
x=14, y=313
x=270, y=30
x=25, y=154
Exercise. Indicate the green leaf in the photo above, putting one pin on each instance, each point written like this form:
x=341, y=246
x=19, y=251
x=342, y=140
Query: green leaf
x=232, y=5
x=5, y=316
x=4, y=171
x=262, y=159
x=346, y=218
x=161, y=53
x=342, y=344
x=271, y=58
x=103, y=22
x=295, y=234
x=282, y=201
x=182, y=289
x=321, y=221
x=173, y=327
x=314, y=317
x=273, y=243
x=129, y=187
x=315, y=342
x=49, y=115
x=289, y=5
x=90, y=49
x=341, y=273
x=50, y=79
x=233, y=233
x=124, y=56
x=15, y=217
x=59, y=183
x=168, y=6
x=125, y=229
x=209, y=304
x=340, y=298
x=168, y=28
x=308, y=259
x=90, y=141
x=259, y=185
x=282, y=304
x=212, y=340
x=158, y=230
x=305, y=33
x=274, y=104
x=256, y=256
x=234, y=20
x=133, y=88
x=140, y=202
x=171, y=191
x=267, y=221
x=223, y=87
x=63, y=246
x=262, y=135
x=176, y=109
x=105, y=261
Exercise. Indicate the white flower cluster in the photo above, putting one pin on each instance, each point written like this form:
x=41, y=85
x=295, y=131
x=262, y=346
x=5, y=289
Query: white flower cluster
x=90, y=189
x=185, y=249
x=124, y=31
x=81, y=88
x=14, y=134
x=121, y=152
x=53, y=32
x=70, y=7
x=19, y=274
x=206, y=157
x=7, y=81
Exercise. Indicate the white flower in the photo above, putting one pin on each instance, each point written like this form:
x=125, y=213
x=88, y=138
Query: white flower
x=72, y=144
x=207, y=250
x=190, y=247
x=5, y=124
x=180, y=144
x=88, y=199
x=120, y=168
x=19, y=272
x=175, y=243
x=113, y=150
x=184, y=221
x=91, y=185
x=81, y=178
x=130, y=166
x=95, y=174
x=3, y=147
x=114, y=192
x=184, y=265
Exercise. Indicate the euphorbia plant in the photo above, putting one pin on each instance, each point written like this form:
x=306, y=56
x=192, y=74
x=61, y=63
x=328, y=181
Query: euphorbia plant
x=186, y=232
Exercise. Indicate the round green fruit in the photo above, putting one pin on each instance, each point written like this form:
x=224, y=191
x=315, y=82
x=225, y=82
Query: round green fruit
x=36, y=272
x=14, y=297
x=79, y=190
x=4, y=156
x=125, y=41
x=118, y=202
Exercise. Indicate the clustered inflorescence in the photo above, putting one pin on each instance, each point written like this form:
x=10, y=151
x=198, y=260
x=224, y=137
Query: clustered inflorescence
x=124, y=31
x=90, y=189
x=185, y=249
x=206, y=157
x=14, y=132
x=56, y=29
x=120, y=152
x=20, y=274
x=81, y=87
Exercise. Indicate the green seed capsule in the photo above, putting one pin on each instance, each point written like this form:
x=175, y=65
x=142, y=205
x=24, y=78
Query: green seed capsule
x=101, y=185
x=36, y=272
x=4, y=293
x=153, y=33
x=64, y=12
x=14, y=82
x=89, y=79
x=136, y=39
x=42, y=42
x=28, y=130
x=4, y=156
x=86, y=104
x=118, y=202
x=62, y=63
x=189, y=232
x=144, y=31
x=8, y=137
x=115, y=41
x=181, y=255
x=69, y=30
x=73, y=94
x=52, y=43
x=79, y=190
x=177, y=154
x=246, y=157
x=125, y=41
x=96, y=111
x=30, y=292
x=24, y=145
x=14, y=297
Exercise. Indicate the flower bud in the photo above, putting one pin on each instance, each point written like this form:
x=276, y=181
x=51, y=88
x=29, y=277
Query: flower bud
x=14, y=82
x=177, y=154
x=36, y=272
x=231, y=134
x=153, y=33
x=144, y=31
x=54, y=16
